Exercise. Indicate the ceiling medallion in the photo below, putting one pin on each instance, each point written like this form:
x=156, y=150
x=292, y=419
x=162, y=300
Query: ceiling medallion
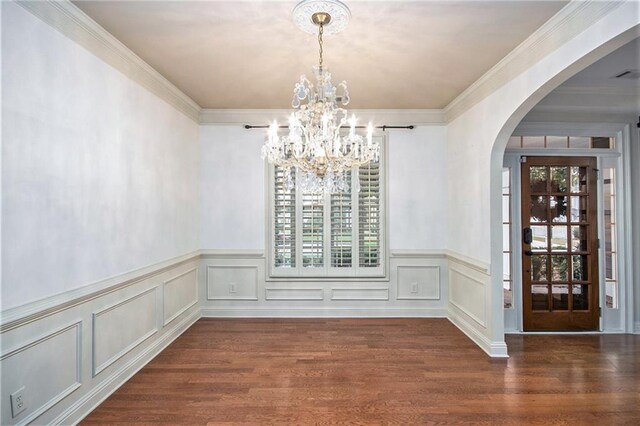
x=315, y=155
x=305, y=10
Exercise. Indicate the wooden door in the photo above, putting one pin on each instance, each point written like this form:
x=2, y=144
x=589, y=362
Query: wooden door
x=560, y=245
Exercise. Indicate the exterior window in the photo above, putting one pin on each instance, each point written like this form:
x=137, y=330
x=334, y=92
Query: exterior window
x=507, y=279
x=333, y=235
x=571, y=142
x=610, y=228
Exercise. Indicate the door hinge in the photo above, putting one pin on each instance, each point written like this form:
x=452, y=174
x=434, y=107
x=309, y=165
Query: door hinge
x=598, y=243
x=600, y=311
x=523, y=159
x=597, y=173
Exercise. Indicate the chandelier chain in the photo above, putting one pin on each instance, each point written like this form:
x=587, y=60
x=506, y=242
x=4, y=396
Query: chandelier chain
x=320, y=32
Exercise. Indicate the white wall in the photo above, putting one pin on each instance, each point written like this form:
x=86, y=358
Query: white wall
x=233, y=183
x=99, y=176
x=232, y=203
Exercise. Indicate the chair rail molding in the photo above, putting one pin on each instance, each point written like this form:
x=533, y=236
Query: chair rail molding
x=69, y=20
x=33, y=311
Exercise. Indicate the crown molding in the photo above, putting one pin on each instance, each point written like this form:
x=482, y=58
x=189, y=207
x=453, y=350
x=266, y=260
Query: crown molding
x=69, y=20
x=574, y=18
x=377, y=116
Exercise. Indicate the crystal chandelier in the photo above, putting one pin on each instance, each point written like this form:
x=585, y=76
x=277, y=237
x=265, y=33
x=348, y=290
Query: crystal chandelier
x=315, y=148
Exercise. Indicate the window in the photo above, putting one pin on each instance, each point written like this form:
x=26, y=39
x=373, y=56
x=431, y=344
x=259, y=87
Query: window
x=507, y=279
x=610, y=248
x=331, y=235
x=571, y=142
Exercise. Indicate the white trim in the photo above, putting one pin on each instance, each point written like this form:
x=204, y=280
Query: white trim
x=637, y=328
x=71, y=388
x=493, y=349
x=335, y=293
x=421, y=254
x=191, y=303
x=480, y=321
x=69, y=20
x=380, y=117
x=29, y=312
x=85, y=405
x=573, y=19
x=312, y=312
x=469, y=262
x=97, y=369
x=230, y=297
x=315, y=293
x=231, y=254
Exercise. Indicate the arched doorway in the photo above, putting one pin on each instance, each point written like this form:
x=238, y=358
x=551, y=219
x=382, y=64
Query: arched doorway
x=476, y=142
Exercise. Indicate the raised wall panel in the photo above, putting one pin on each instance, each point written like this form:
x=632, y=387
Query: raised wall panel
x=48, y=368
x=179, y=294
x=121, y=327
x=373, y=293
x=467, y=293
x=299, y=294
x=418, y=282
x=232, y=283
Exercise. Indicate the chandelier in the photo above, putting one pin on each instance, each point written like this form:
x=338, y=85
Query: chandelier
x=316, y=153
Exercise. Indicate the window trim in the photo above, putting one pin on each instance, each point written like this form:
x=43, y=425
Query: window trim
x=327, y=272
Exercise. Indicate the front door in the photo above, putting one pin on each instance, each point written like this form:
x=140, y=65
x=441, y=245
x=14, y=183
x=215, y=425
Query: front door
x=559, y=244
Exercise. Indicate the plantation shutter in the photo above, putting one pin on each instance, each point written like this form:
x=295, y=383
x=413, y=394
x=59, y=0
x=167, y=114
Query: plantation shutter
x=285, y=221
x=369, y=220
x=312, y=230
x=341, y=228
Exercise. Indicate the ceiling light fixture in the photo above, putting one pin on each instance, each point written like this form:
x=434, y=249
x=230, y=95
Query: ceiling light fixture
x=315, y=153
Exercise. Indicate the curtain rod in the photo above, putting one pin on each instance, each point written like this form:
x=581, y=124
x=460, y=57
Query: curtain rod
x=385, y=127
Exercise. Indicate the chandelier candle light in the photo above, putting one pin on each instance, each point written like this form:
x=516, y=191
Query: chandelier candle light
x=316, y=149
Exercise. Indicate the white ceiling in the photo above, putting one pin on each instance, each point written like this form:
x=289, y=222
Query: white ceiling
x=393, y=54
x=595, y=90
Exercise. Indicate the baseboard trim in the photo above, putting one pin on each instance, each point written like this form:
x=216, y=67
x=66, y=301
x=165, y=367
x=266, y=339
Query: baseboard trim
x=81, y=408
x=495, y=349
x=234, y=312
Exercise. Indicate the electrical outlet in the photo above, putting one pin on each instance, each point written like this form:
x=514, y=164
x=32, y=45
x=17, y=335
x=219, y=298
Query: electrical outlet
x=18, y=404
x=414, y=287
x=232, y=288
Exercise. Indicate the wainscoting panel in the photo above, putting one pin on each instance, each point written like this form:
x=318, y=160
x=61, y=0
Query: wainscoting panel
x=299, y=294
x=120, y=328
x=360, y=293
x=232, y=282
x=48, y=368
x=70, y=356
x=467, y=293
x=258, y=295
x=419, y=282
x=180, y=293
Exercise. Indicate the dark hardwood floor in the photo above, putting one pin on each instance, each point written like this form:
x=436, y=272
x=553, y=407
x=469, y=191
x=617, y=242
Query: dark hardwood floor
x=377, y=371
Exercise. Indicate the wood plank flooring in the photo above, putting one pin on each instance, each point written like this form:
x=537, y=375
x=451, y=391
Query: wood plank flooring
x=377, y=371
